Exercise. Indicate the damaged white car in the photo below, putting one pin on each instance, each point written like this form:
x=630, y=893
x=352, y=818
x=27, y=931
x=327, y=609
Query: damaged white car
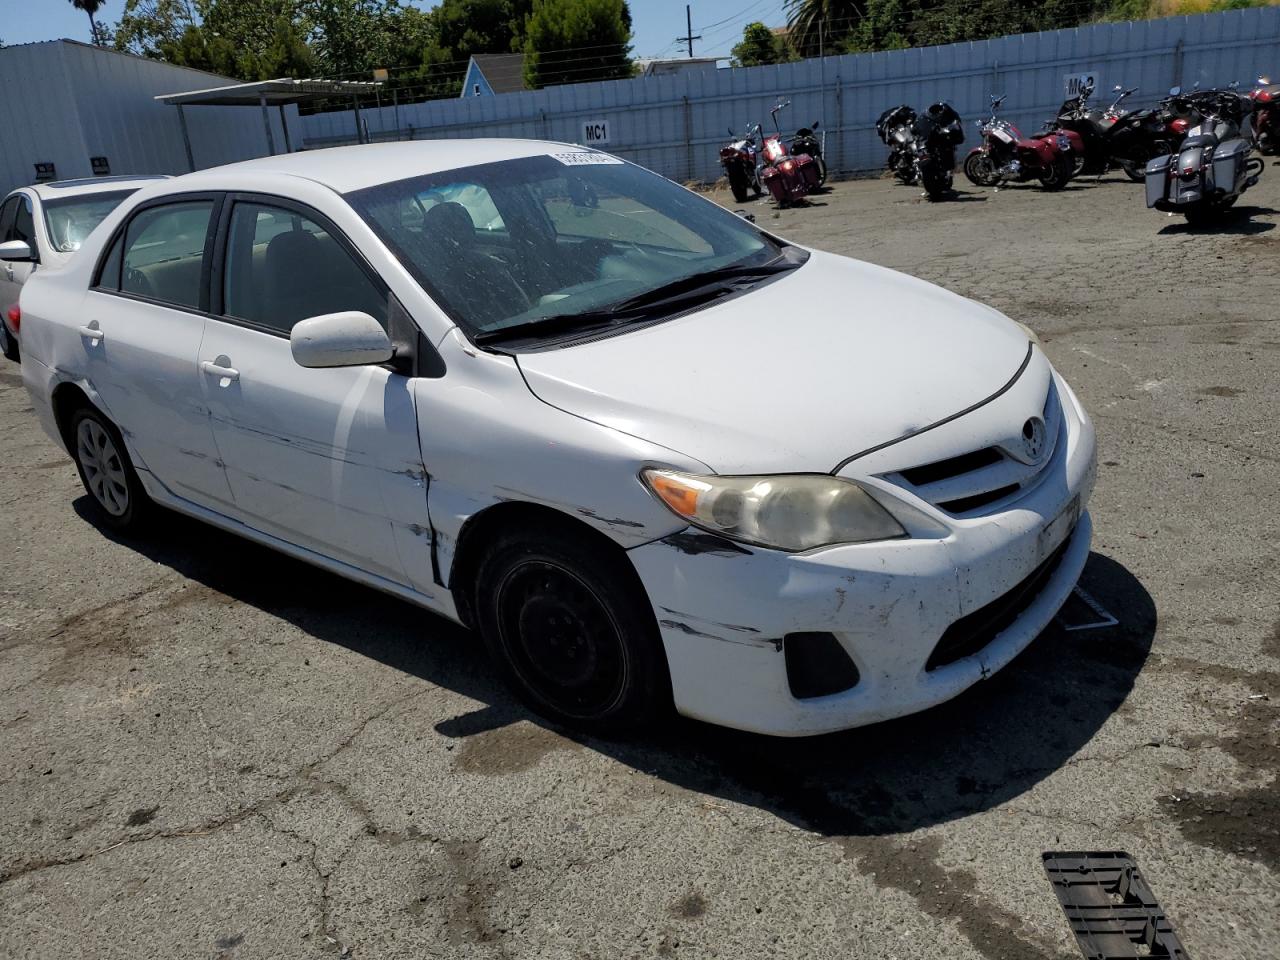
x=654, y=455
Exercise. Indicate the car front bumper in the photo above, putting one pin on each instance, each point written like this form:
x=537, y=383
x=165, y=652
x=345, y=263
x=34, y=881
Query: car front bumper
x=724, y=610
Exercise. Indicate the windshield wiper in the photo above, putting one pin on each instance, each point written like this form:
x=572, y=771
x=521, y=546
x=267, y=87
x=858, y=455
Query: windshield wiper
x=682, y=292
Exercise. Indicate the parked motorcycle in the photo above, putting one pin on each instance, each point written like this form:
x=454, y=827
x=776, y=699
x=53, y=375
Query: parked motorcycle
x=1113, y=137
x=1266, y=116
x=894, y=128
x=1006, y=155
x=806, y=142
x=738, y=157
x=935, y=135
x=1214, y=165
x=787, y=178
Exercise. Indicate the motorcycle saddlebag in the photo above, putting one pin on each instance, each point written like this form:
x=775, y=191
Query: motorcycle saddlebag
x=771, y=177
x=1229, y=161
x=1158, y=179
x=808, y=169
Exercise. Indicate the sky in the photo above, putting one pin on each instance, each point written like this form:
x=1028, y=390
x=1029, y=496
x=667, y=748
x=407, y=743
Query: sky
x=656, y=23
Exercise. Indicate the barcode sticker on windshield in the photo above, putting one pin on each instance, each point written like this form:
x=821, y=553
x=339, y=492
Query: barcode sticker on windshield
x=583, y=158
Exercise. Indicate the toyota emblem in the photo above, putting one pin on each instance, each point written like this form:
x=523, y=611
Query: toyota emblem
x=1034, y=436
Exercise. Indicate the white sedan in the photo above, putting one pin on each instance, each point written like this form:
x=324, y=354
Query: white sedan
x=653, y=454
x=45, y=224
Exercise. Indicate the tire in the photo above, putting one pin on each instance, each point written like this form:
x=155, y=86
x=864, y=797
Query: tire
x=979, y=170
x=738, y=184
x=822, y=170
x=1133, y=171
x=567, y=622
x=1059, y=173
x=9, y=344
x=118, y=498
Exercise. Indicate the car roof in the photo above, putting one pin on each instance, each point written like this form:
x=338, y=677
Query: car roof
x=344, y=169
x=55, y=189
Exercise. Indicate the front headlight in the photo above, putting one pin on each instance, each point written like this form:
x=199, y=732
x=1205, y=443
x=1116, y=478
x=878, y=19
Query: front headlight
x=789, y=512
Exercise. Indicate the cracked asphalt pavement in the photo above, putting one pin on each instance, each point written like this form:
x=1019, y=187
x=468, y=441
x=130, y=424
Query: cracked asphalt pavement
x=212, y=751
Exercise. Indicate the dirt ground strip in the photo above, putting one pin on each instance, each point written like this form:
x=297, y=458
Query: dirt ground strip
x=212, y=751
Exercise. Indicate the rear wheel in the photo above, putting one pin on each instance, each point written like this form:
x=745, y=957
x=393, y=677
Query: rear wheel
x=738, y=184
x=567, y=622
x=1059, y=173
x=118, y=497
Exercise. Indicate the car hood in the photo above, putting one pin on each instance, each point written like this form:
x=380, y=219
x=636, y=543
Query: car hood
x=828, y=360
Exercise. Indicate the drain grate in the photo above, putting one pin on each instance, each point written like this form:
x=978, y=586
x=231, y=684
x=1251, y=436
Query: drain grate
x=1112, y=912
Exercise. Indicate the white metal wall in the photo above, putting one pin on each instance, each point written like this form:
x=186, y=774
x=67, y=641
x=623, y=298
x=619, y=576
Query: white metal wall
x=674, y=124
x=66, y=102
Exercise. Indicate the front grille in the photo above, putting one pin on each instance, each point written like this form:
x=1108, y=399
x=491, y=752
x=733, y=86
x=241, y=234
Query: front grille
x=975, y=479
x=974, y=631
x=951, y=467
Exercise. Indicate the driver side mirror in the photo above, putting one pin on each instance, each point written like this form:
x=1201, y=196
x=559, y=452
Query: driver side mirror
x=17, y=251
x=1174, y=91
x=347, y=339
x=816, y=125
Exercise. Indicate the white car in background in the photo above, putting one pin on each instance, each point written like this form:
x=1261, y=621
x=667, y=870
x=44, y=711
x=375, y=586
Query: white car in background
x=51, y=219
x=653, y=454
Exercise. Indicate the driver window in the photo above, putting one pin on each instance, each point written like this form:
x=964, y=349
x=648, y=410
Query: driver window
x=164, y=252
x=283, y=267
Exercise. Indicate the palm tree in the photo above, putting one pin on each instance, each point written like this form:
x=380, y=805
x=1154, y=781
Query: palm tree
x=90, y=7
x=815, y=24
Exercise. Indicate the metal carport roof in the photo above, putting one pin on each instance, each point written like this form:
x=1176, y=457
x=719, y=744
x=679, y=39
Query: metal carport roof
x=268, y=93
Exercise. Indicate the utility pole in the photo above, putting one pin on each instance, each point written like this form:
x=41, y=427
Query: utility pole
x=688, y=38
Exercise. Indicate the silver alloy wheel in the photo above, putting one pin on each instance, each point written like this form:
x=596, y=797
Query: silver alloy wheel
x=103, y=470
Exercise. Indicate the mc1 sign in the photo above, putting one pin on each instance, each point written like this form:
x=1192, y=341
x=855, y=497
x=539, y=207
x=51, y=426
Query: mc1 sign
x=595, y=132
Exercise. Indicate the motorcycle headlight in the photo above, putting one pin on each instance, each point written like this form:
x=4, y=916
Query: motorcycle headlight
x=789, y=512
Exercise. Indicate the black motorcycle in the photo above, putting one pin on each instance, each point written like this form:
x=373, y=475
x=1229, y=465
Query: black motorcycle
x=806, y=141
x=935, y=135
x=1114, y=137
x=894, y=129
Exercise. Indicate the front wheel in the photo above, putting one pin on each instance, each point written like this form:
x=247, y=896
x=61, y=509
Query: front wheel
x=1059, y=173
x=822, y=170
x=738, y=184
x=108, y=476
x=980, y=170
x=567, y=622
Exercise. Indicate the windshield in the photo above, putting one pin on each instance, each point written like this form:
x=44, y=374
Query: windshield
x=513, y=243
x=70, y=220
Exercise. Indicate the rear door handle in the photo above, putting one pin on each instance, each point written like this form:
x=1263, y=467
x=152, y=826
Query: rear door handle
x=92, y=332
x=217, y=370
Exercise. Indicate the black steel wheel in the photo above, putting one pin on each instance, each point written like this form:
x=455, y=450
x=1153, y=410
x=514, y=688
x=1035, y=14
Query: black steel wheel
x=118, y=497
x=567, y=622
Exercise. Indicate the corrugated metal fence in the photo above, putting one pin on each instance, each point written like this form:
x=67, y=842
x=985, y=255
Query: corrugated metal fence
x=674, y=124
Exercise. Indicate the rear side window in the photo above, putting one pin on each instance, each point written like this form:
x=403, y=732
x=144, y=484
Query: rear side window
x=24, y=226
x=283, y=267
x=164, y=252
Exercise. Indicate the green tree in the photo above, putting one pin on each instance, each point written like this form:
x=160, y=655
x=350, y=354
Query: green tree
x=576, y=41
x=818, y=26
x=91, y=7
x=758, y=46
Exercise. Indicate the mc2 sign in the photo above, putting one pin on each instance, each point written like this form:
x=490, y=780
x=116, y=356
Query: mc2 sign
x=595, y=132
x=1073, y=83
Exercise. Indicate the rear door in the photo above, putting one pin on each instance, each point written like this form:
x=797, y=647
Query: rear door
x=141, y=330
x=9, y=287
x=326, y=459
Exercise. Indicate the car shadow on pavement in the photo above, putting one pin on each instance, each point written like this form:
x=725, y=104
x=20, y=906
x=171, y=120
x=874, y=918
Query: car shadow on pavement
x=982, y=749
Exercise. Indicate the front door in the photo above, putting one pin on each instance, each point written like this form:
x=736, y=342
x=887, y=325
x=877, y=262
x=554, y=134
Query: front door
x=326, y=459
x=16, y=223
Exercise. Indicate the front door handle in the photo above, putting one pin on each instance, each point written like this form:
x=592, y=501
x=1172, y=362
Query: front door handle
x=214, y=369
x=92, y=332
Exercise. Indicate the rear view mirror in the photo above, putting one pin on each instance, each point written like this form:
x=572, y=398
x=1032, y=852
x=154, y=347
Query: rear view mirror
x=816, y=125
x=16, y=251
x=1174, y=91
x=347, y=339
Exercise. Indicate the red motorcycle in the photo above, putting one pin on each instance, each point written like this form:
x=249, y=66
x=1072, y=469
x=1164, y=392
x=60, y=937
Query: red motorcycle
x=738, y=157
x=1266, y=116
x=788, y=177
x=1005, y=155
